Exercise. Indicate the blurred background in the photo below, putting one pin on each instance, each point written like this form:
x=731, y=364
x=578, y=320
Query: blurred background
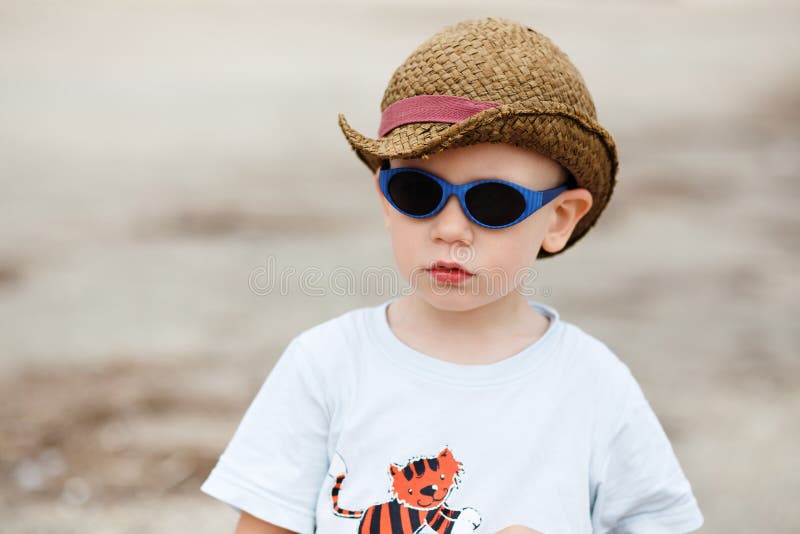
x=154, y=155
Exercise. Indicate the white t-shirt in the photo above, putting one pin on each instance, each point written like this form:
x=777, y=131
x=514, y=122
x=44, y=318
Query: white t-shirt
x=354, y=426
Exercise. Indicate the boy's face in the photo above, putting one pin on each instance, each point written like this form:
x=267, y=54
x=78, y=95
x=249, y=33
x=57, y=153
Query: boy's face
x=500, y=259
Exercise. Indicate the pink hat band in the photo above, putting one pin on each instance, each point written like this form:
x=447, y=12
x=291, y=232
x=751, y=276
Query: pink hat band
x=430, y=108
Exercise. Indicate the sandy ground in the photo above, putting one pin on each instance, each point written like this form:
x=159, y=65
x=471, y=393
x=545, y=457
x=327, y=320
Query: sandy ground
x=157, y=154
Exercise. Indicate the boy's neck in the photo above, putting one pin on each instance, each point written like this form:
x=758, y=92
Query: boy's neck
x=482, y=335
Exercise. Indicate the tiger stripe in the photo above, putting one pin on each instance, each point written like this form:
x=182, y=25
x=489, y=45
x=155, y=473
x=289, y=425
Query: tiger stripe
x=406, y=520
x=437, y=523
x=431, y=515
x=414, y=515
x=366, y=522
x=394, y=518
x=386, y=518
x=375, y=524
x=337, y=486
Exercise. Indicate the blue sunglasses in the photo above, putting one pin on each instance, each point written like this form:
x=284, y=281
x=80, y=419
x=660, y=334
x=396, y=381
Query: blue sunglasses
x=489, y=203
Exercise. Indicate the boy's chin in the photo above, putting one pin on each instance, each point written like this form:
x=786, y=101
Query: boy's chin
x=454, y=299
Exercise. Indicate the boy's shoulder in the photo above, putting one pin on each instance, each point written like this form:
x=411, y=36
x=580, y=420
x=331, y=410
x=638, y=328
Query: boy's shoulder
x=590, y=360
x=331, y=344
x=344, y=328
x=590, y=348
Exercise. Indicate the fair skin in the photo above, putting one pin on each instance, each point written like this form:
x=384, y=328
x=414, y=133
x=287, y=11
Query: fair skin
x=253, y=525
x=486, y=318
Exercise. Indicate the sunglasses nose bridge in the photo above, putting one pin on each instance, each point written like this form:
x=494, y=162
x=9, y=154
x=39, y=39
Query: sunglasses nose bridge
x=452, y=195
x=449, y=191
x=447, y=196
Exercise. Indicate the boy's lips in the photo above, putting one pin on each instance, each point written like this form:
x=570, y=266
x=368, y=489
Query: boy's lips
x=448, y=266
x=447, y=272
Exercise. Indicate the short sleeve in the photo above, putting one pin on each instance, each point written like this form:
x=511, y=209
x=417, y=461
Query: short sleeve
x=275, y=463
x=642, y=487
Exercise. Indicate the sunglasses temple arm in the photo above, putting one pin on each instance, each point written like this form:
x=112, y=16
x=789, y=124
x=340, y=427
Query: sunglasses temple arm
x=550, y=194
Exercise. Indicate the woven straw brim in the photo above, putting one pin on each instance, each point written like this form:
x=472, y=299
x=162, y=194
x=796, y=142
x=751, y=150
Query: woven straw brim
x=578, y=143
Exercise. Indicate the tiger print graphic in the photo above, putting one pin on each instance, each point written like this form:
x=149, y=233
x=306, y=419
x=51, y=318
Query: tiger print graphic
x=418, y=493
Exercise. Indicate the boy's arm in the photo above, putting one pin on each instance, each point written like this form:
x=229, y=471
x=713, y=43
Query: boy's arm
x=253, y=525
x=280, y=445
x=641, y=486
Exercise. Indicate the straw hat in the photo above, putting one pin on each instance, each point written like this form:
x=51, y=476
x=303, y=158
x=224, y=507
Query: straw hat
x=494, y=80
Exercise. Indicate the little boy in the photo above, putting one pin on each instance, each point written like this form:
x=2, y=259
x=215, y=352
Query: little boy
x=462, y=406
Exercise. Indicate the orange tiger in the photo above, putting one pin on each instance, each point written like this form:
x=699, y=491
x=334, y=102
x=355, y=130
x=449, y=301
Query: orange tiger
x=419, y=490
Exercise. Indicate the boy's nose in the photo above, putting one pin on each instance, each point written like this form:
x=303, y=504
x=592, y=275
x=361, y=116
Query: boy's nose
x=452, y=224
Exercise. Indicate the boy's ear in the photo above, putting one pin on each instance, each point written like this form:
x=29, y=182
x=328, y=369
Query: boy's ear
x=384, y=203
x=569, y=207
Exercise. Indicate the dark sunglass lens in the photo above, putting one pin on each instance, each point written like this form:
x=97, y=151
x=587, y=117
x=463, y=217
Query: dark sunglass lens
x=495, y=204
x=414, y=193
